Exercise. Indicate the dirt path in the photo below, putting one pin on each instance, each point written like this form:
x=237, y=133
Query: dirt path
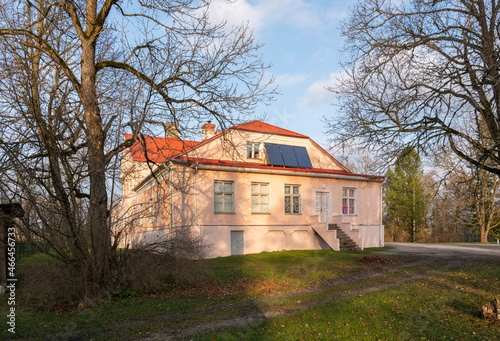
x=248, y=313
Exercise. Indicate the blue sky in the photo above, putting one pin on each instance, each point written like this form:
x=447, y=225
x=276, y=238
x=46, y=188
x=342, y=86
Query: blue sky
x=303, y=44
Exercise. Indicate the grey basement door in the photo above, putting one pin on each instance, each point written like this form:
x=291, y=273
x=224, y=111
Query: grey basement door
x=237, y=243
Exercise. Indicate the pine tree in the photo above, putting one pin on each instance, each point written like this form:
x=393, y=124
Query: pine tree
x=405, y=199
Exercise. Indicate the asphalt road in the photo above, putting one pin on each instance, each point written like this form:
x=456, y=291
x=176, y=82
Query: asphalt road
x=446, y=250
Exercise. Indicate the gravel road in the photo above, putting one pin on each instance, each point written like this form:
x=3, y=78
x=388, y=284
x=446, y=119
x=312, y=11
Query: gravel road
x=445, y=250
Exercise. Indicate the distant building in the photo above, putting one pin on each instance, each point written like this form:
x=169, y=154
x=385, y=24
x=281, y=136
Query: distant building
x=254, y=187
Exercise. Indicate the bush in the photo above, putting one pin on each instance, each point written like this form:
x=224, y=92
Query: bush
x=47, y=284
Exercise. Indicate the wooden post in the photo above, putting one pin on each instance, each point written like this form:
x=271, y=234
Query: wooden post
x=7, y=214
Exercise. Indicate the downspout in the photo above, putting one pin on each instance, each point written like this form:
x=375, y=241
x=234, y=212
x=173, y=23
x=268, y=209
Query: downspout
x=380, y=234
x=171, y=179
x=196, y=164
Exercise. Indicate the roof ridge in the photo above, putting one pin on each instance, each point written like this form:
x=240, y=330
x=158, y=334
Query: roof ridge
x=165, y=138
x=277, y=130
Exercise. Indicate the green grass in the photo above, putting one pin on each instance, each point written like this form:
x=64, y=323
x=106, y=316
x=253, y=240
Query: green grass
x=330, y=305
x=443, y=306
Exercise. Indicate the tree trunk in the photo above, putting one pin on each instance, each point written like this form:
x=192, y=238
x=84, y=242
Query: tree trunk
x=100, y=232
x=484, y=236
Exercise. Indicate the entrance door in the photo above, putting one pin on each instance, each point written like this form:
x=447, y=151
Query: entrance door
x=237, y=243
x=322, y=206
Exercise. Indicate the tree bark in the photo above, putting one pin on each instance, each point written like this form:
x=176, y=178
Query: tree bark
x=100, y=232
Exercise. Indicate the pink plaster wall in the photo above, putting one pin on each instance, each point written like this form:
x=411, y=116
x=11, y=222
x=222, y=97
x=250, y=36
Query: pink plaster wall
x=262, y=232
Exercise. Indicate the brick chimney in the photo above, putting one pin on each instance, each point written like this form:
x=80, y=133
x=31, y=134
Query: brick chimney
x=171, y=130
x=207, y=131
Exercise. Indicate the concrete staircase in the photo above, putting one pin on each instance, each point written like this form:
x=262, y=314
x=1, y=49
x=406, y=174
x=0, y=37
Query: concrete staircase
x=345, y=242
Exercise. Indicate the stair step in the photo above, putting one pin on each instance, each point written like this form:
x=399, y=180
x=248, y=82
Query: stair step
x=345, y=242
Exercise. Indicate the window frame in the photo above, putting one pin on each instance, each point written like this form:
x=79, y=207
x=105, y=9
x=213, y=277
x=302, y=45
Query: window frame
x=224, y=194
x=348, y=197
x=250, y=152
x=292, y=195
x=260, y=195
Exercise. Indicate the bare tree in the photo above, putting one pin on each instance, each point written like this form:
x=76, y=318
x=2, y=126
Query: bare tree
x=75, y=73
x=485, y=191
x=451, y=202
x=415, y=69
x=469, y=193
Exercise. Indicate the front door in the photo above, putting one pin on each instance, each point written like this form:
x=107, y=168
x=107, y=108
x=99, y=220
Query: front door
x=237, y=243
x=322, y=206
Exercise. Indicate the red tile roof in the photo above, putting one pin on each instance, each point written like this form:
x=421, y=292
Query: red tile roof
x=261, y=127
x=158, y=149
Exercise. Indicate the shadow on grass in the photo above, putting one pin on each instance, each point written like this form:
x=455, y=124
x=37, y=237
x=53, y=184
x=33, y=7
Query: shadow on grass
x=464, y=308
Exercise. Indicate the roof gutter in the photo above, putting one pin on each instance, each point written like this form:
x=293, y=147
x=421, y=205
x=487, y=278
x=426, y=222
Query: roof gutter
x=195, y=167
x=284, y=172
x=381, y=233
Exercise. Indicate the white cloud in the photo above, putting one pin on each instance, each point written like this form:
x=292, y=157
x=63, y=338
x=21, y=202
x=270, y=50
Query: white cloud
x=236, y=13
x=318, y=92
x=262, y=13
x=290, y=80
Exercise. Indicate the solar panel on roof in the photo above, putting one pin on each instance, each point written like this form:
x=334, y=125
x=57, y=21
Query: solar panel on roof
x=274, y=154
x=288, y=156
x=302, y=157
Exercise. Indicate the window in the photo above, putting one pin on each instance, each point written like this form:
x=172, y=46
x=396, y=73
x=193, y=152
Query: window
x=158, y=205
x=224, y=197
x=253, y=150
x=135, y=220
x=141, y=213
x=349, y=201
x=151, y=209
x=292, y=199
x=260, y=198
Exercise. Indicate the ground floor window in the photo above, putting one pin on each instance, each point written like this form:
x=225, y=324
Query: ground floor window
x=224, y=196
x=292, y=199
x=349, y=201
x=260, y=197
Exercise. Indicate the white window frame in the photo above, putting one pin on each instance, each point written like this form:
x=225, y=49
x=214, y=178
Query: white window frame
x=346, y=195
x=254, y=150
x=261, y=198
x=224, y=194
x=293, y=195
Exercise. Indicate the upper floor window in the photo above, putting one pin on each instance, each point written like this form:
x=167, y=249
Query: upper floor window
x=224, y=196
x=253, y=150
x=349, y=201
x=260, y=198
x=292, y=199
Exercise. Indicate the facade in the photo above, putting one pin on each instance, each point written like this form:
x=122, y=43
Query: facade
x=254, y=187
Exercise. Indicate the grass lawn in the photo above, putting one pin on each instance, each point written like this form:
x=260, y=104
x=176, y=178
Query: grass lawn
x=290, y=295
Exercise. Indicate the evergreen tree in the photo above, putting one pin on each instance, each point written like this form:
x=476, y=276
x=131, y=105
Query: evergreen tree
x=405, y=199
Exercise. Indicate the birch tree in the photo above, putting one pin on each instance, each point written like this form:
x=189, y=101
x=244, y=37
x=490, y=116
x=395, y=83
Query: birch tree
x=75, y=74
